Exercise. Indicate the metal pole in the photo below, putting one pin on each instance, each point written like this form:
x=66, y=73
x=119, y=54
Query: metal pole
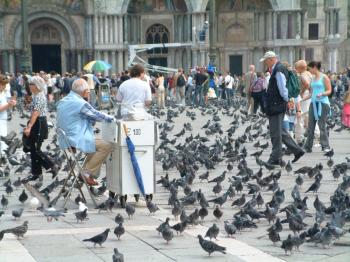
x=24, y=63
x=212, y=27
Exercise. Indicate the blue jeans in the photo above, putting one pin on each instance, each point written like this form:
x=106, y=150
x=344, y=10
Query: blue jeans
x=199, y=95
x=189, y=95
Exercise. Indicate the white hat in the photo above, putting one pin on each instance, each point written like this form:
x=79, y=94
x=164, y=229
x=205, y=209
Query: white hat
x=268, y=54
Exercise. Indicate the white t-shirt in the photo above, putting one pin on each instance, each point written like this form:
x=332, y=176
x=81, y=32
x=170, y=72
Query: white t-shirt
x=228, y=81
x=133, y=92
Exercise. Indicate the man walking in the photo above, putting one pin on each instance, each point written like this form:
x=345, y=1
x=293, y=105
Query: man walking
x=180, y=89
x=249, y=80
x=276, y=107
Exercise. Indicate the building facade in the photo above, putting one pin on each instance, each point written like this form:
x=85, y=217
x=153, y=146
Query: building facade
x=63, y=35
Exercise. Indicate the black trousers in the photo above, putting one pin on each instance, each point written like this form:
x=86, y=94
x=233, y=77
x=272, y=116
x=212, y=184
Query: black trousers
x=37, y=135
x=258, y=100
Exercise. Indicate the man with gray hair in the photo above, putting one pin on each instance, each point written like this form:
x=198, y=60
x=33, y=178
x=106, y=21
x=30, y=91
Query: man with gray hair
x=75, y=116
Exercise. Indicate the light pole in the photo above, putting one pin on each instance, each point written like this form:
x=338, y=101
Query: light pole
x=24, y=62
x=212, y=32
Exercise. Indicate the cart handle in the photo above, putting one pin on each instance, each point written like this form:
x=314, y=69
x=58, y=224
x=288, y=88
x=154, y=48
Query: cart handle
x=125, y=129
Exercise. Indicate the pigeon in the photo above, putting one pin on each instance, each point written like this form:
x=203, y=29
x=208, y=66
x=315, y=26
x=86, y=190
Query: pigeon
x=18, y=231
x=287, y=244
x=81, y=215
x=314, y=187
x=220, y=200
x=240, y=201
x=217, y=212
x=167, y=234
x=152, y=208
x=82, y=206
x=299, y=180
x=119, y=219
x=218, y=178
x=230, y=229
x=34, y=203
x=180, y=227
x=17, y=213
x=78, y=199
x=203, y=212
x=204, y=176
x=17, y=183
x=161, y=227
x=119, y=230
x=4, y=202
x=210, y=247
x=130, y=210
x=98, y=239
x=2, y=233
x=117, y=257
x=9, y=190
x=329, y=153
x=23, y=197
x=212, y=232
x=51, y=213
x=274, y=235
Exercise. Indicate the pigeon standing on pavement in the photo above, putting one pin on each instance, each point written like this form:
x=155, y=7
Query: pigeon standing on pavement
x=18, y=231
x=119, y=230
x=212, y=231
x=17, y=213
x=117, y=257
x=81, y=215
x=23, y=197
x=210, y=246
x=167, y=234
x=98, y=239
x=130, y=210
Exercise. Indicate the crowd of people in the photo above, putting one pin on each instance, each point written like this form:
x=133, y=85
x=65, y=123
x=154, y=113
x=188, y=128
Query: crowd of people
x=294, y=98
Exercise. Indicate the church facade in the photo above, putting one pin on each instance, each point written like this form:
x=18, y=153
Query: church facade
x=63, y=35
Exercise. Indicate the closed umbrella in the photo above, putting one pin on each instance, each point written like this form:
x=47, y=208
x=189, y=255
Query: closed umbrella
x=135, y=164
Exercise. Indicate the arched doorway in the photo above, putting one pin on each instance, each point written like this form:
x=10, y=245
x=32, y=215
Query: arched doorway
x=46, y=47
x=157, y=34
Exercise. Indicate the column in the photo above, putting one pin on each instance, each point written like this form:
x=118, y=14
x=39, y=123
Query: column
x=120, y=61
x=90, y=55
x=11, y=61
x=331, y=24
x=255, y=26
x=17, y=60
x=194, y=58
x=337, y=22
x=125, y=29
x=79, y=66
x=106, y=18
x=284, y=25
x=115, y=30
x=334, y=60
x=126, y=59
x=274, y=23
x=96, y=32
x=326, y=23
x=68, y=61
x=291, y=55
x=298, y=26
x=120, y=30
x=330, y=59
x=113, y=62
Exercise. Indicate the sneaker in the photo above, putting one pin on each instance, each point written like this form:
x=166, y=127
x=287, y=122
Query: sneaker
x=317, y=145
x=29, y=178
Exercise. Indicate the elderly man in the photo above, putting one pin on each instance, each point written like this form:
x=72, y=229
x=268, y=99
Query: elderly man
x=276, y=107
x=76, y=116
x=249, y=80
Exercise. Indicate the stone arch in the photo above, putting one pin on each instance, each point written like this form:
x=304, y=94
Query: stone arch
x=65, y=23
x=126, y=4
x=204, y=5
x=236, y=33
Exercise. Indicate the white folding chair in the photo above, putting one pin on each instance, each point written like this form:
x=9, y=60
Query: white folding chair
x=73, y=163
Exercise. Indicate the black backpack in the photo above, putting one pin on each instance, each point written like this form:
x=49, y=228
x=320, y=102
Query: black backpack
x=181, y=81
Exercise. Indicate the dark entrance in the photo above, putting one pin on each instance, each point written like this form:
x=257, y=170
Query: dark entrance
x=158, y=61
x=236, y=64
x=46, y=58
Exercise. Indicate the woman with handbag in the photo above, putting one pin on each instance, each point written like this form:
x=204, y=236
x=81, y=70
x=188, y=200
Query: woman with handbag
x=256, y=92
x=37, y=131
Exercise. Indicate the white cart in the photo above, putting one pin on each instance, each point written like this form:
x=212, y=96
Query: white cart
x=120, y=174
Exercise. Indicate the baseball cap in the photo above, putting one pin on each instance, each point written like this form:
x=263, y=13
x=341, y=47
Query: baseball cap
x=268, y=54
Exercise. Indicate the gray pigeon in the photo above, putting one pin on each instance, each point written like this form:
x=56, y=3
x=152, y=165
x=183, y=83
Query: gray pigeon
x=287, y=244
x=230, y=229
x=117, y=257
x=81, y=215
x=212, y=231
x=2, y=233
x=119, y=219
x=210, y=246
x=17, y=213
x=130, y=210
x=152, y=207
x=119, y=230
x=167, y=234
x=18, y=231
x=98, y=239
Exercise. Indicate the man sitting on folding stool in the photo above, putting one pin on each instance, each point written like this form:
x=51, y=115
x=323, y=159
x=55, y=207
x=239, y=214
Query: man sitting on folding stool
x=75, y=116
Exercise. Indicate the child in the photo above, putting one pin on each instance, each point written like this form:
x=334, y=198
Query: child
x=346, y=110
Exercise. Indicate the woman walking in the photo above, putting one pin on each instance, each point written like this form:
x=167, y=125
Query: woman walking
x=37, y=131
x=320, y=89
x=257, y=92
x=160, y=91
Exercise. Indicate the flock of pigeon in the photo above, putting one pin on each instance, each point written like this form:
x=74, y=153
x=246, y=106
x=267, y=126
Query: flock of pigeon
x=190, y=160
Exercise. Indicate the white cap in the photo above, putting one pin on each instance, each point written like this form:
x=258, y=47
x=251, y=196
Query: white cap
x=268, y=54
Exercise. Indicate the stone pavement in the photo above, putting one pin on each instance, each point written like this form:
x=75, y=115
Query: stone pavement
x=62, y=240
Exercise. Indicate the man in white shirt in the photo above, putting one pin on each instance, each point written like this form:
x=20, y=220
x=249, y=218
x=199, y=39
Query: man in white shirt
x=228, y=86
x=135, y=94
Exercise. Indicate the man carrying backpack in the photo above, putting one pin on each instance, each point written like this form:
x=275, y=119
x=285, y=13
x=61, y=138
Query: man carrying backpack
x=180, y=89
x=276, y=106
